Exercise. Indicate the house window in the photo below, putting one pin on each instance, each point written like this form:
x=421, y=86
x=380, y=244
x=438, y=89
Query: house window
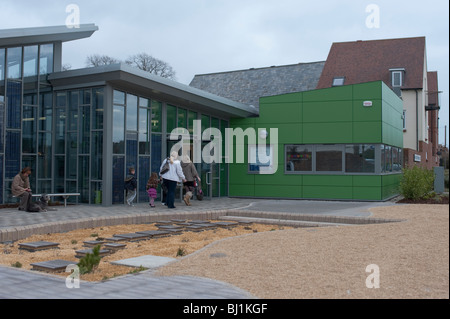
x=397, y=78
x=338, y=81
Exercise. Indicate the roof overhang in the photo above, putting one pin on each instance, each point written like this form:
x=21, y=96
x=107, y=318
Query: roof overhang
x=29, y=36
x=123, y=77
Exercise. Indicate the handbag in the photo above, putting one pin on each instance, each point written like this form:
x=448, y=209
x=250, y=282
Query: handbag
x=165, y=168
x=199, y=194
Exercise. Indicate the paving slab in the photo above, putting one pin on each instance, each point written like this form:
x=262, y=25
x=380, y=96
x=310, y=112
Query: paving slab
x=38, y=245
x=147, y=261
x=56, y=265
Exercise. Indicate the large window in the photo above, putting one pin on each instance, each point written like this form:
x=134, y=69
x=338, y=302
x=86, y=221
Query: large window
x=360, y=158
x=299, y=158
x=329, y=158
x=342, y=159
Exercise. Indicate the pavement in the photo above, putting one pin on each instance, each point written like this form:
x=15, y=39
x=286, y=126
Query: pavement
x=26, y=284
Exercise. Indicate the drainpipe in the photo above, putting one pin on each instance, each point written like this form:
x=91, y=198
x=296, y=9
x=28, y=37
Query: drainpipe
x=417, y=120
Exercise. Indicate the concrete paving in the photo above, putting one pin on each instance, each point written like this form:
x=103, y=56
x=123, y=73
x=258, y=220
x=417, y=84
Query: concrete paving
x=25, y=284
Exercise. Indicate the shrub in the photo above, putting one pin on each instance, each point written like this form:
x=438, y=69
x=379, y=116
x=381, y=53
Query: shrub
x=416, y=183
x=181, y=252
x=90, y=261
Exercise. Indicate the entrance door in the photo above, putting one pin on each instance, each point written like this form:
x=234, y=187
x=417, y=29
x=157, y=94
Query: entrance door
x=210, y=175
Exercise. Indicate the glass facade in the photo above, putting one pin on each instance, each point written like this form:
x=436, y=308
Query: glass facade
x=61, y=134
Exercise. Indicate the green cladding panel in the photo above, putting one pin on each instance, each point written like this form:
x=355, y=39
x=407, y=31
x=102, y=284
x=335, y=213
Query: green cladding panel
x=367, y=113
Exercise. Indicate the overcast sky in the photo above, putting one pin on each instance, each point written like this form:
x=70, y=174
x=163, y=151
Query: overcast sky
x=206, y=36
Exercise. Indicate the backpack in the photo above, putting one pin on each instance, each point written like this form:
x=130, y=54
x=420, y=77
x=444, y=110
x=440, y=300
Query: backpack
x=166, y=167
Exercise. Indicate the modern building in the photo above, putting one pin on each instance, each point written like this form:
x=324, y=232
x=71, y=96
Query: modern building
x=335, y=143
x=80, y=130
x=402, y=65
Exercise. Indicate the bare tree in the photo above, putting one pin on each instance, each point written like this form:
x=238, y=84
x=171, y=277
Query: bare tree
x=152, y=65
x=98, y=60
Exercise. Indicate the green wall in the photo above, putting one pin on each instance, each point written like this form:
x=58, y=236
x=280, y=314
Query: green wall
x=327, y=116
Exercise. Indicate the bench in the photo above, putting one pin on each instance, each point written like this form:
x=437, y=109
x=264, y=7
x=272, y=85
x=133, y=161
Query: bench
x=63, y=195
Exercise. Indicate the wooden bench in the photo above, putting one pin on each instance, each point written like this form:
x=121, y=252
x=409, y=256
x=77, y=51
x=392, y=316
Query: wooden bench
x=63, y=195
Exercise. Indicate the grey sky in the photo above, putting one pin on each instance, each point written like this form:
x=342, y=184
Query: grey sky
x=205, y=36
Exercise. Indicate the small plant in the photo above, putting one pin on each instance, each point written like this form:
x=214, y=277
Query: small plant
x=89, y=262
x=181, y=252
x=17, y=264
x=417, y=182
x=94, y=235
x=136, y=270
x=74, y=241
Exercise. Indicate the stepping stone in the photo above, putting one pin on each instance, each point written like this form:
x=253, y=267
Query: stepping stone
x=201, y=221
x=170, y=227
x=113, y=247
x=115, y=239
x=93, y=243
x=84, y=252
x=195, y=228
x=38, y=245
x=57, y=265
x=163, y=222
x=174, y=231
x=133, y=236
x=147, y=261
x=155, y=233
x=207, y=226
x=226, y=224
x=185, y=224
x=178, y=221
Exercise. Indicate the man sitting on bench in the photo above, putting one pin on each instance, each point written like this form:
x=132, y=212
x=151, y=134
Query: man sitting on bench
x=21, y=187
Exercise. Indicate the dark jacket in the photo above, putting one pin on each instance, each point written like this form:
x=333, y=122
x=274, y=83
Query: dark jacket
x=130, y=183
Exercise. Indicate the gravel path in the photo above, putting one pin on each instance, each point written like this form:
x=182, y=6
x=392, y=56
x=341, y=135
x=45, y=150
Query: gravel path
x=330, y=262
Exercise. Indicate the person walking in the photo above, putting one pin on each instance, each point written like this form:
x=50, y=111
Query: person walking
x=130, y=186
x=152, y=185
x=190, y=174
x=173, y=176
x=20, y=187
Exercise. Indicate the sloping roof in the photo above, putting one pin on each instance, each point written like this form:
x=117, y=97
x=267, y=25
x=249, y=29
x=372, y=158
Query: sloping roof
x=247, y=86
x=27, y=36
x=366, y=61
x=123, y=76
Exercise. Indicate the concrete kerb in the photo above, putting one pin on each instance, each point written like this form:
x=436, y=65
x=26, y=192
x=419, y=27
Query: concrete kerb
x=20, y=232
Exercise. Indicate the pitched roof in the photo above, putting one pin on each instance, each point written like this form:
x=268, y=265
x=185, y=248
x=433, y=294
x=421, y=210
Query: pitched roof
x=366, y=61
x=247, y=86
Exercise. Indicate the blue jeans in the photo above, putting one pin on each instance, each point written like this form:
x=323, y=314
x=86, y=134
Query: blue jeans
x=171, y=186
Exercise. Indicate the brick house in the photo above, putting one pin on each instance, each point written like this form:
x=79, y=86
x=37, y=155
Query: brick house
x=402, y=65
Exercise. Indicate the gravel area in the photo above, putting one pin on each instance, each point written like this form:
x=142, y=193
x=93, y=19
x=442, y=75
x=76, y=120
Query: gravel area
x=330, y=262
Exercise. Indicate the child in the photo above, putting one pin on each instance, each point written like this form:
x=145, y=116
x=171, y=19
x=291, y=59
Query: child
x=130, y=186
x=152, y=185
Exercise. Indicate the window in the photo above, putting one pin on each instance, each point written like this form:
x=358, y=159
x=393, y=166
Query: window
x=299, y=158
x=328, y=158
x=14, y=63
x=338, y=81
x=360, y=158
x=261, y=159
x=132, y=112
x=46, y=59
x=397, y=77
x=404, y=119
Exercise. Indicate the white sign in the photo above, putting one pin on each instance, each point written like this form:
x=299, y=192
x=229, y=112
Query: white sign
x=417, y=158
x=367, y=103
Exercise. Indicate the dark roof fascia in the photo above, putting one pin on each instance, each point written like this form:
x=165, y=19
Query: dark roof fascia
x=29, y=36
x=135, y=80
